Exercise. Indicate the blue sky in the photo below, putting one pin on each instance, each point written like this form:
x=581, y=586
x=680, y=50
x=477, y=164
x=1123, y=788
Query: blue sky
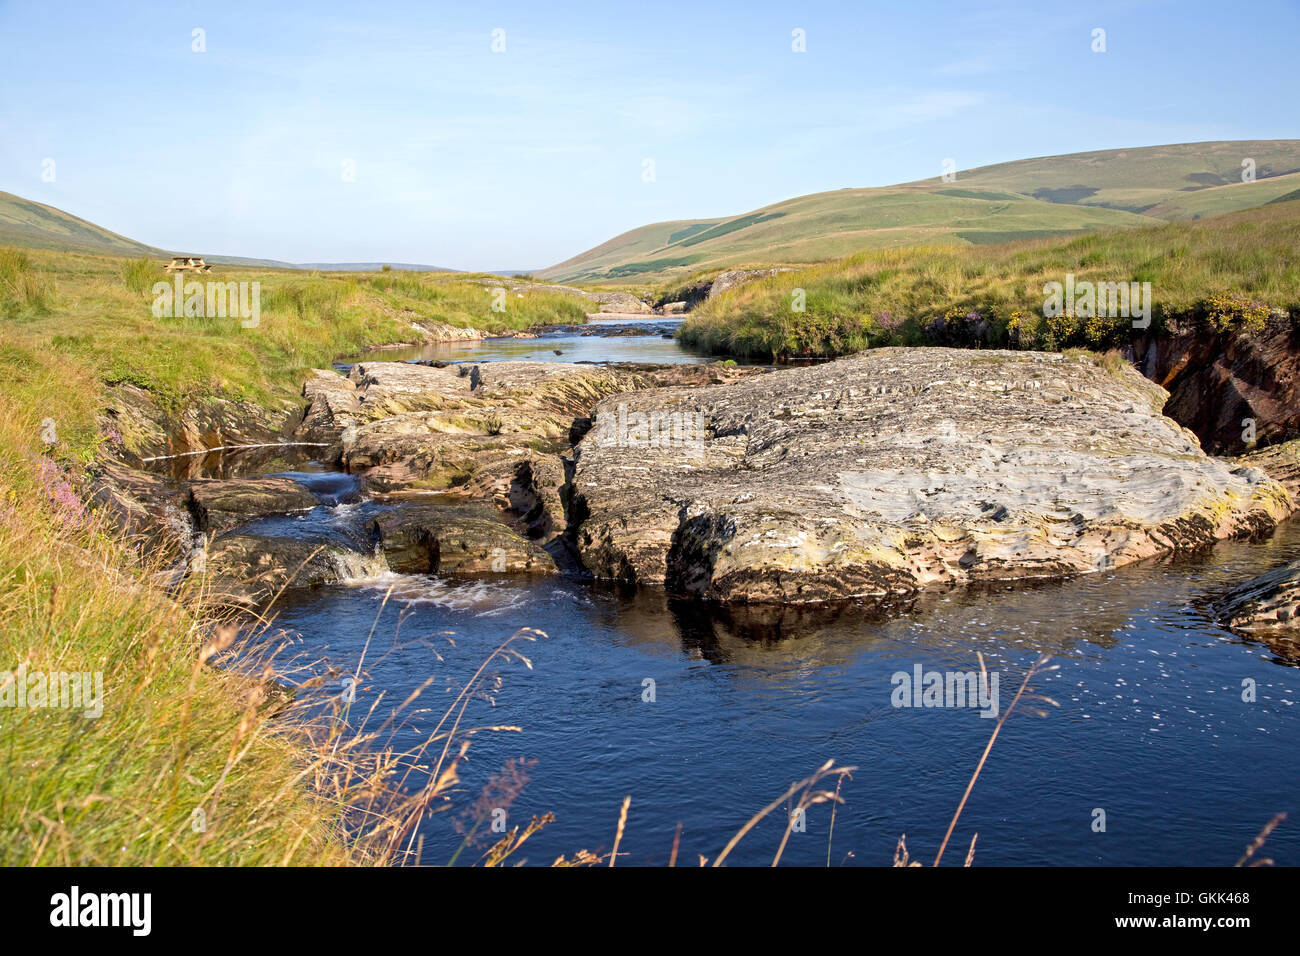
x=472, y=159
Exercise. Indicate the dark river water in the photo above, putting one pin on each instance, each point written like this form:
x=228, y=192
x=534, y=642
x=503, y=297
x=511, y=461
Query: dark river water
x=1151, y=729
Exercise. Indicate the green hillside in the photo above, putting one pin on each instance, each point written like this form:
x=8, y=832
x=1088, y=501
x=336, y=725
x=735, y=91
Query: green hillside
x=1026, y=199
x=1137, y=180
x=35, y=225
x=1218, y=200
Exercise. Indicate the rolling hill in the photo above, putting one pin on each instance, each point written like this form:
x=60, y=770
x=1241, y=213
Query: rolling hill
x=1025, y=199
x=34, y=225
x=1053, y=195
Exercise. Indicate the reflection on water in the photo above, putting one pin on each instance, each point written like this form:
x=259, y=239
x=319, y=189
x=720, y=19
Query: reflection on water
x=1151, y=726
x=610, y=339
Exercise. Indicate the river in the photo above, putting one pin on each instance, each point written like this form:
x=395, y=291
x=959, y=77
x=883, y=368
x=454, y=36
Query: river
x=1152, y=735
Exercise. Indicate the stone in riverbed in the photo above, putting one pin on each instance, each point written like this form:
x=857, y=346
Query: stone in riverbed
x=219, y=505
x=250, y=570
x=529, y=487
x=434, y=428
x=1279, y=462
x=899, y=469
x=1267, y=609
x=726, y=281
x=333, y=405
x=149, y=509
x=455, y=539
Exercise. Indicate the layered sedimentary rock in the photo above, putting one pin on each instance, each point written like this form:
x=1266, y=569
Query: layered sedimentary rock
x=1231, y=389
x=1279, y=462
x=899, y=469
x=251, y=570
x=220, y=505
x=403, y=426
x=465, y=539
x=1267, y=609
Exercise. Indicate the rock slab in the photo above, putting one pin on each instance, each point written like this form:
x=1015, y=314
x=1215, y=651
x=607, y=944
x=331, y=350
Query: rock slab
x=900, y=469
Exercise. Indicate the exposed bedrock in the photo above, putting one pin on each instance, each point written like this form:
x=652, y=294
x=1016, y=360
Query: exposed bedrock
x=219, y=505
x=899, y=469
x=1266, y=609
x=1230, y=389
x=466, y=539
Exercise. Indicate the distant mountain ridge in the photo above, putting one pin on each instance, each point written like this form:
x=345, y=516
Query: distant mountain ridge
x=366, y=266
x=1022, y=199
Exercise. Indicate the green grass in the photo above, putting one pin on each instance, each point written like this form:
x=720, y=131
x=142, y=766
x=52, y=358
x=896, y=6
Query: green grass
x=23, y=290
x=827, y=225
x=1139, y=180
x=462, y=302
x=1218, y=200
x=1228, y=270
x=83, y=321
x=175, y=761
x=174, y=736
x=24, y=222
x=177, y=735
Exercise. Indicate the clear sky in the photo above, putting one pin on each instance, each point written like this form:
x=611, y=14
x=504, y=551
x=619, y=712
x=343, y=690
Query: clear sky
x=474, y=159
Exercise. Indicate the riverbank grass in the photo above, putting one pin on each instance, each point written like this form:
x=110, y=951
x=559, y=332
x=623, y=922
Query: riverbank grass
x=1230, y=271
x=166, y=759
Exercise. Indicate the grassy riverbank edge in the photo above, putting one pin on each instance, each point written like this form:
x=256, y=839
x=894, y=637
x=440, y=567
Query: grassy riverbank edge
x=1230, y=271
x=185, y=763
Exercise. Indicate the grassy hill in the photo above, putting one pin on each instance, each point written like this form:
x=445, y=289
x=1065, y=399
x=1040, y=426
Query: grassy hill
x=28, y=224
x=34, y=225
x=1026, y=199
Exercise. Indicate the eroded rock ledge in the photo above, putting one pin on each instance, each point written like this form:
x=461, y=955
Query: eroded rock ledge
x=1267, y=609
x=879, y=474
x=899, y=469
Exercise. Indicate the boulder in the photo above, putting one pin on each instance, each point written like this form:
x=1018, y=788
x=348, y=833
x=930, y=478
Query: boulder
x=250, y=570
x=455, y=539
x=623, y=303
x=738, y=277
x=431, y=331
x=218, y=505
x=149, y=510
x=900, y=469
x=529, y=487
x=429, y=428
x=332, y=406
x=1266, y=608
x=1279, y=462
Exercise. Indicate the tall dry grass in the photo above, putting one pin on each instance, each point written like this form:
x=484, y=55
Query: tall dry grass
x=24, y=291
x=1225, y=270
x=211, y=747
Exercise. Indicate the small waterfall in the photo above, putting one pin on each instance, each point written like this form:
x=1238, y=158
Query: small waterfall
x=354, y=567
